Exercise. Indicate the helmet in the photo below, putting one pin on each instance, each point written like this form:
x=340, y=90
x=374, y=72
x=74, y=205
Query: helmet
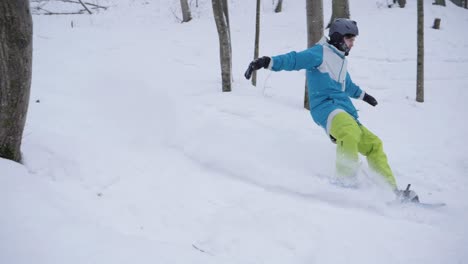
x=344, y=26
x=340, y=28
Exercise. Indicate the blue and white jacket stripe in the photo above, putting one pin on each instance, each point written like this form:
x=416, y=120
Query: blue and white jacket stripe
x=329, y=83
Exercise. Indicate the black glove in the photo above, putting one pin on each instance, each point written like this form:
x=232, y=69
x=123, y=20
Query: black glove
x=259, y=63
x=406, y=196
x=369, y=99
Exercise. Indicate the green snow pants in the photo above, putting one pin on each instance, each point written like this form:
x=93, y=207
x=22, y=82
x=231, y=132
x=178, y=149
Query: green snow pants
x=352, y=139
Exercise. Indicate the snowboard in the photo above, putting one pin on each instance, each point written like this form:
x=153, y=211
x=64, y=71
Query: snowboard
x=414, y=201
x=417, y=204
x=429, y=205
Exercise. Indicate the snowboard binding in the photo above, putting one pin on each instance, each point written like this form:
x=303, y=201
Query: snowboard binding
x=407, y=195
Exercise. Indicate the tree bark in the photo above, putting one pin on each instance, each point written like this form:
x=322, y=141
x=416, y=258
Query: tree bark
x=340, y=9
x=279, y=6
x=15, y=74
x=420, y=59
x=257, y=40
x=222, y=26
x=314, y=9
x=439, y=2
x=226, y=12
x=186, y=15
x=436, y=23
x=226, y=15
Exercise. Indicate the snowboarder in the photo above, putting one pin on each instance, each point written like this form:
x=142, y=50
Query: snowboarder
x=330, y=88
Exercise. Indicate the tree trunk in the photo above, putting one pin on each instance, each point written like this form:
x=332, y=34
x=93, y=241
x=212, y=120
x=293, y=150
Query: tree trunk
x=15, y=74
x=226, y=15
x=420, y=63
x=226, y=12
x=257, y=40
x=436, y=23
x=279, y=6
x=222, y=26
x=340, y=9
x=186, y=15
x=439, y=2
x=314, y=9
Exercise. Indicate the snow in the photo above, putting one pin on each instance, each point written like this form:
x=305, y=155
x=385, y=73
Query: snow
x=134, y=155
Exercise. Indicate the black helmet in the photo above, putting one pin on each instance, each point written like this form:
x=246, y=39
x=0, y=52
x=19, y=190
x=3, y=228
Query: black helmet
x=344, y=26
x=340, y=28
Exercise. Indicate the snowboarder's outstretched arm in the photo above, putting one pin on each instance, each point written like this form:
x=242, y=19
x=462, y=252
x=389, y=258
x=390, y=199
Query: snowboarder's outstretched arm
x=295, y=61
x=292, y=61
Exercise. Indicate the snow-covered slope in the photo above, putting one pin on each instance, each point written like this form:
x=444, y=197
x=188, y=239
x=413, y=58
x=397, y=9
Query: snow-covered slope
x=133, y=155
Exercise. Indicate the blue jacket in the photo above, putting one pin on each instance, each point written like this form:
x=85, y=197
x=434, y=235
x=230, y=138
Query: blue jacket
x=329, y=83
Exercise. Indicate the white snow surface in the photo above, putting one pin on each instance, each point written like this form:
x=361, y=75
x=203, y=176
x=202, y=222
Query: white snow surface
x=132, y=154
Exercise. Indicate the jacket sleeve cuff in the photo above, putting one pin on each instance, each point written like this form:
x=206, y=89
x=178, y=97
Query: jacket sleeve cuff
x=362, y=95
x=270, y=65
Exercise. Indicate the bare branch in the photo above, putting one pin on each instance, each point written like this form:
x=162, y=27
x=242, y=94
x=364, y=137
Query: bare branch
x=39, y=5
x=89, y=11
x=49, y=13
x=68, y=13
x=87, y=3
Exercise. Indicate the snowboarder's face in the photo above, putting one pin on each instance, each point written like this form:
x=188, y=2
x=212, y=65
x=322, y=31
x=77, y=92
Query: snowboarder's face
x=349, y=41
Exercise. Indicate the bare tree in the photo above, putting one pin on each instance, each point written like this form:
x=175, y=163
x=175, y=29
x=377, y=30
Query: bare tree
x=439, y=2
x=257, y=40
x=226, y=15
x=436, y=23
x=15, y=74
x=186, y=15
x=222, y=24
x=314, y=9
x=420, y=63
x=340, y=9
x=279, y=6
